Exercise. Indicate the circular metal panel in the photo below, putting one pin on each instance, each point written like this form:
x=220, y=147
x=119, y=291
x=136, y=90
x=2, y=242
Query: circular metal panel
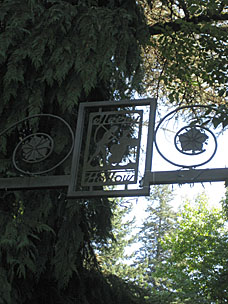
x=186, y=146
x=42, y=143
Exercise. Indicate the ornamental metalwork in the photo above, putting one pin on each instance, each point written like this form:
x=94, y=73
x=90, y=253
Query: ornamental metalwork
x=42, y=143
x=112, y=150
x=188, y=146
x=35, y=147
x=108, y=154
x=191, y=140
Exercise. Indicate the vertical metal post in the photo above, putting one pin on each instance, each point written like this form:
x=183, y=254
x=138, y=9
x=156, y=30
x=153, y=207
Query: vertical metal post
x=78, y=143
x=150, y=142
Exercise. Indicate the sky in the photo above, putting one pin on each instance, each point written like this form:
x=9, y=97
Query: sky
x=215, y=191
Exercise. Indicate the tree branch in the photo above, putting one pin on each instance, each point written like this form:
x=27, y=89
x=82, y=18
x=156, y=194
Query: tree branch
x=182, y=5
x=160, y=28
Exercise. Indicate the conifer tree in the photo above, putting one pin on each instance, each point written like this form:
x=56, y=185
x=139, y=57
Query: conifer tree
x=54, y=55
x=160, y=220
x=112, y=255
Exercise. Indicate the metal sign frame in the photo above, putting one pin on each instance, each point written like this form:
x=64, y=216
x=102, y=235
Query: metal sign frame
x=90, y=111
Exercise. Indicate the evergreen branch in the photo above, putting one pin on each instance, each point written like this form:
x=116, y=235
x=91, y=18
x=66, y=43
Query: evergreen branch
x=159, y=27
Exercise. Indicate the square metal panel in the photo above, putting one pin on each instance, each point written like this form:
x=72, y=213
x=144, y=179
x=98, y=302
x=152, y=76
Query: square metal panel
x=113, y=148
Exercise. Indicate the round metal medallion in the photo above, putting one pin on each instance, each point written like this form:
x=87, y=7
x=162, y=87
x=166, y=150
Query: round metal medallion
x=35, y=147
x=42, y=143
x=184, y=146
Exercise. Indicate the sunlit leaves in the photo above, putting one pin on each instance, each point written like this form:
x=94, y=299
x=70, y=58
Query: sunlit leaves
x=189, y=50
x=198, y=257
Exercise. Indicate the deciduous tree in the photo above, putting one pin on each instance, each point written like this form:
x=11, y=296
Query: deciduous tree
x=186, y=58
x=196, y=268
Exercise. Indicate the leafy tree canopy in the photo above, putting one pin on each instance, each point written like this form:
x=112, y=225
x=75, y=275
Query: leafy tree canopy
x=186, y=58
x=197, y=267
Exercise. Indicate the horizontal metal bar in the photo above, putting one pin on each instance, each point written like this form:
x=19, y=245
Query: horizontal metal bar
x=186, y=176
x=36, y=182
x=117, y=103
x=109, y=193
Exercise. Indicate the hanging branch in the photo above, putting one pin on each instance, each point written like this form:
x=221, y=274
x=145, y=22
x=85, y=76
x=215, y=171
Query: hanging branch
x=159, y=27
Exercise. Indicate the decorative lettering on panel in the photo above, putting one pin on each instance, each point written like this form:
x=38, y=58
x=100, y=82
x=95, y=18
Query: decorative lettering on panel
x=112, y=148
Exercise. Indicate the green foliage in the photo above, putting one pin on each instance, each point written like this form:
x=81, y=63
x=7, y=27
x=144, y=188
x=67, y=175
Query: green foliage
x=197, y=266
x=187, y=58
x=54, y=55
x=115, y=260
x=46, y=241
x=111, y=255
x=225, y=204
x=58, y=51
x=160, y=220
x=182, y=258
